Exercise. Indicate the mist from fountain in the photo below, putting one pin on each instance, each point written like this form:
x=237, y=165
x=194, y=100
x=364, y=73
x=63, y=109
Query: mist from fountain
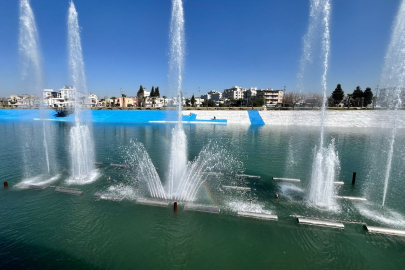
x=326, y=162
x=143, y=171
x=31, y=68
x=393, y=76
x=81, y=142
x=214, y=164
x=178, y=152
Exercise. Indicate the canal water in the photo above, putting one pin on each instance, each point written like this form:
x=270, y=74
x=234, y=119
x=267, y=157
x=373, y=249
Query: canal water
x=41, y=229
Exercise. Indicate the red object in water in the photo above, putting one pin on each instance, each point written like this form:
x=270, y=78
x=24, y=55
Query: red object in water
x=175, y=206
x=5, y=184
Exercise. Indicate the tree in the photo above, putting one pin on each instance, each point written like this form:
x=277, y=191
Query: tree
x=349, y=100
x=113, y=99
x=192, y=100
x=152, y=92
x=368, y=96
x=144, y=101
x=358, y=96
x=123, y=95
x=164, y=99
x=314, y=99
x=157, y=94
x=258, y=102
x=140, y=95
x=338, y=94
x=229, y=101
x=140, y=91
x=291, y=99
x=208, y=103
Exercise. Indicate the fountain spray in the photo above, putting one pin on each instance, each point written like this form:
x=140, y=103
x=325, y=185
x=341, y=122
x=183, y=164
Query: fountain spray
x=178, y=152
x=326, y=161
x=81, y=143
x=29, y=49
x=393, y=76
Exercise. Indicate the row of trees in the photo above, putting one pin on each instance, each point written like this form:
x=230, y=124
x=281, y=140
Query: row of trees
x=141, y=96
x=310, y=99
x=357, y=98
x=154, y=93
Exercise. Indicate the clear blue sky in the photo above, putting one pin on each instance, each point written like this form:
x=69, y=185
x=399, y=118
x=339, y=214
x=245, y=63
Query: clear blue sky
x=229, y=42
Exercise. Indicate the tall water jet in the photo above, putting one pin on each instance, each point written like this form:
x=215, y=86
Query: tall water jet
x=178, y=152
x=81, y=143
x=326, y=163
x=31, y=63
x=393, y=77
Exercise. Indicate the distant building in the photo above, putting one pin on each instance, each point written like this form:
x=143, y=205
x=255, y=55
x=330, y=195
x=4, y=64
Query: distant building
x=198, y=102
x=93, y=100
x=67, y=93
x=23, y=101
x=126, y=102
x=66, y=97
x=250, y=95
x=270, y=96
x=234, y=93
x=213, y=95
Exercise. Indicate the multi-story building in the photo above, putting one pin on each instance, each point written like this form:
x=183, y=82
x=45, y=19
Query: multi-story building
x=125, y=102
x=23, y=101
x=213, y=95
x=270, y=96
x=67, y=93
x=66, y=97
x=93, y=100
x=250, y=95
x=234, y=93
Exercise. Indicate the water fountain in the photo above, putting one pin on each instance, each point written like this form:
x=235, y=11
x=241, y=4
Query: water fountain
x=143, y=171
x=178, y=152
x=214, y=164
x=326, y=163
x=31, y=65
x=81, y=142
x=393, y=76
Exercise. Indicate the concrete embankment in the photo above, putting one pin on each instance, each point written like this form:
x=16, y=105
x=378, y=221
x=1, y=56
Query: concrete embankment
x=334, y=118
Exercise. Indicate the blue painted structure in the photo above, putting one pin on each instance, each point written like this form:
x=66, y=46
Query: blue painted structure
x=106, y=116
x=255, y=118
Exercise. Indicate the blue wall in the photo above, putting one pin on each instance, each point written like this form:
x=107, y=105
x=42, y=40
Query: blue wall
x=107, y=116
x=255, y=118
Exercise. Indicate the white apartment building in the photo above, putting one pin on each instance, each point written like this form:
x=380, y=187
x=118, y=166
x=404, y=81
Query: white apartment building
x=250, y=94
x=67, y=93
x=66, y=98
x=146, y=93
x=23, y=101
x=213, y=94
x=234, y=93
